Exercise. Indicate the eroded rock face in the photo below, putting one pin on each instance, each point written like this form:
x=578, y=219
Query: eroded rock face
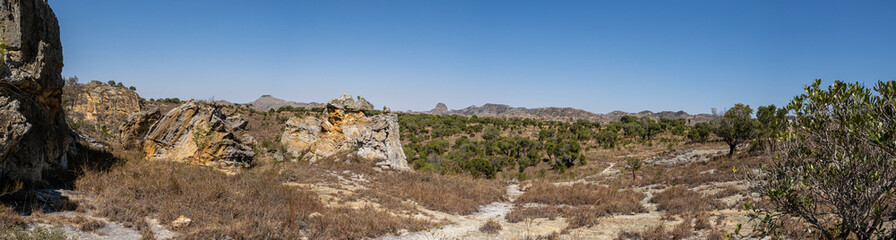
x=33, y=134
x=103, y=106
x=198, y=133
x=133, y=130
x=346, y=128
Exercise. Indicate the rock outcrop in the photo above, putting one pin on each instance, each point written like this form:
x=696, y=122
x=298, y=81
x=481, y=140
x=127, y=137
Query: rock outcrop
x=346, y=128
x=102, y=107
x=198, y=133
x=34, y=136
x=133, y=130
x=440, y=109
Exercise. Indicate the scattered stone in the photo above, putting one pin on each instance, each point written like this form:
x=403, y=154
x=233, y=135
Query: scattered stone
x=181, y=222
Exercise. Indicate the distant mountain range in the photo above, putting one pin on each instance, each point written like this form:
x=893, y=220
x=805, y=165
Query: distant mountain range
x=267, y=102
x=560, y=114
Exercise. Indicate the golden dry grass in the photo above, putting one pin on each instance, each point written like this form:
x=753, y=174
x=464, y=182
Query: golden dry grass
x=678, y=200
x=249, y=205
x=581, y=204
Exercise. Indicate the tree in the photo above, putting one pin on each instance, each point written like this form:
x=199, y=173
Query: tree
x=527, y=153
x=111, y=83
x=700, y=132
x=490, y=133
x=565, y=154
x=736, y=126
x=772, y=122
x=836, y=171
x=633, y=164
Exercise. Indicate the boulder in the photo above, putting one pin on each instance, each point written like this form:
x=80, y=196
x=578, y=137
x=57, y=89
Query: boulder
x=360, y=105
x=34, y=136
x=198, y=133
x=102, y=107
x=341, y=102
x=136, y=126
x=346, y=129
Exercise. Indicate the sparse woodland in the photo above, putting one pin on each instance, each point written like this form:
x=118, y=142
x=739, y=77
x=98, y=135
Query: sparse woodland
x=819, y=168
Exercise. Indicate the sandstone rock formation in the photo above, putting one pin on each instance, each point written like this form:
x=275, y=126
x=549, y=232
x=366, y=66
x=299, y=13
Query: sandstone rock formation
x=346, y=128
x=102, y=107
x=33, y=134
x=198, y=133
x=133, y=130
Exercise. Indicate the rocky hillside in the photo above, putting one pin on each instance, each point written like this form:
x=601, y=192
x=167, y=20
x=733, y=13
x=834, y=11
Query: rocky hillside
x=267, y=102
x=34, y=136
x=560, y=114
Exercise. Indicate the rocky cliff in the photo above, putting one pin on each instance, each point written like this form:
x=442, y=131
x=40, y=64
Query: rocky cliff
x=198, y=133
x=33, y=134
x=101, y=108
x=345, y=128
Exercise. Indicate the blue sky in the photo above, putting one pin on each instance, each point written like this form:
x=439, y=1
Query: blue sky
x=594, y=55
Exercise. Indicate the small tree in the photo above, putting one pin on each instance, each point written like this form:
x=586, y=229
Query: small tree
x=772, y=124
x=491, y=133
x=633, y=164
x=837, y=172
x=736, y=126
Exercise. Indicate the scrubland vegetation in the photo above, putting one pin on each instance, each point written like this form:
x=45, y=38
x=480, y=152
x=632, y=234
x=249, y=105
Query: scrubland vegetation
x=820, y=168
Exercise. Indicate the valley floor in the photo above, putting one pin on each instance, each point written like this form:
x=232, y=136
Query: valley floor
x=687, y=192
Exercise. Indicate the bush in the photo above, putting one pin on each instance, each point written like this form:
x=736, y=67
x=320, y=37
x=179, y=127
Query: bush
x=491, y=227
x=836, y=171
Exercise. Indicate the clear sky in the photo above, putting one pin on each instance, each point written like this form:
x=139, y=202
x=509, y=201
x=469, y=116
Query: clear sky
x=594, y=55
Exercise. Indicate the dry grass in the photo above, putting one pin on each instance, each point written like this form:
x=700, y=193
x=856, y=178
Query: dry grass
x=491, y=227
x=609, y=199
x=520, y=213
x=678, y=200
x=82, y=223
x=451, y=194
x=581, y=204
x=715, y=234
x=249, y=205
x=681, y=231
x=9, y=218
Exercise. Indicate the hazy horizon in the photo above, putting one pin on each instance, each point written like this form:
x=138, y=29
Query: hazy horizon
x=408, y=55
